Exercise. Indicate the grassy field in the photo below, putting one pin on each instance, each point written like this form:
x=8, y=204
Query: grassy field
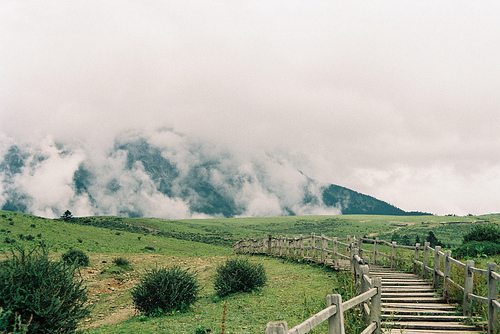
x=295, y=291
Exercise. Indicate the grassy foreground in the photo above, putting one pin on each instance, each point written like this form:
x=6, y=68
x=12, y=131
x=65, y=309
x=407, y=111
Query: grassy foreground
x=294, y=292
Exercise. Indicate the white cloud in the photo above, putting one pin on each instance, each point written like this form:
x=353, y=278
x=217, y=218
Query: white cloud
x=342, y=86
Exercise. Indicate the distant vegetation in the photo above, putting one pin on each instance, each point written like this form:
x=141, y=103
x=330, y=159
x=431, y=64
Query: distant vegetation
x=482, y=240
x=121, y=262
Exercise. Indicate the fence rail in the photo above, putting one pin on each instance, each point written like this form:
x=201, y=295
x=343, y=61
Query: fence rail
x=430, y=263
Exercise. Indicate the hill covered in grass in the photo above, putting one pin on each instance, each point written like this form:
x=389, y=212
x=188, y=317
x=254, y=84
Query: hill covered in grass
x=294, y=292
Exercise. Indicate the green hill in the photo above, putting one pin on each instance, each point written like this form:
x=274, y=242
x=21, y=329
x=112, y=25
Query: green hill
x=353, y=202
x=294, y=290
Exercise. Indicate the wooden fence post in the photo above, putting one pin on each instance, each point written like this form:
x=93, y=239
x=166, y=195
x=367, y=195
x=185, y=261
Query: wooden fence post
x=334, y=254
x=447, y=275
x=301, y=245
x=417, y=256
x=375, y=251
x=351, y=256
x=365, y=286
x=336, y=322
x=313, y=246
x=393, y=254
x=324, y=246
x=493, y=322
x=269, y=244
x=426, y=258
x=360, y=247
x=376, y=306
x=468, y=286
x=277, y=327
x=437, y=266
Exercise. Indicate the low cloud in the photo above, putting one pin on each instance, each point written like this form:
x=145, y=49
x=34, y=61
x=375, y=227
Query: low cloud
x=176, y=177
x=344, y=91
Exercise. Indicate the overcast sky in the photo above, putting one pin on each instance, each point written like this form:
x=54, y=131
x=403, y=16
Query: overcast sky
x=397, y=99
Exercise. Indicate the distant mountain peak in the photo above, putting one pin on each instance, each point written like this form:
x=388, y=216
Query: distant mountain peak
x=169, y=176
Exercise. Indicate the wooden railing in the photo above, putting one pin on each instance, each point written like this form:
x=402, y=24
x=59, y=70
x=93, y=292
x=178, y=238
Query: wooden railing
x=321, y=249
x=430, y=263
x=438, y=266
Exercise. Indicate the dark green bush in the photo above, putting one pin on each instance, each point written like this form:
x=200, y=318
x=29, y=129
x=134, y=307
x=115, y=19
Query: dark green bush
x=76, y=257
x=121, y=262
x=18, y=327
x=483, y=232
x=165, y=290
x=477, y=248
x=41, y=294
x=239, y=275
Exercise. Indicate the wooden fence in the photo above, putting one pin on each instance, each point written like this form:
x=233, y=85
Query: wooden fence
x=438, y=266
x=430, y=263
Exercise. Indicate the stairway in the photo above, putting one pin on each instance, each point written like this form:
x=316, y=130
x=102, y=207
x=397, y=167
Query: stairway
x=410, y=305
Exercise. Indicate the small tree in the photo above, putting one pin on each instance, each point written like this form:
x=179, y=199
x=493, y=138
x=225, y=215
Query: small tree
x=432, y=239
x=67, y=215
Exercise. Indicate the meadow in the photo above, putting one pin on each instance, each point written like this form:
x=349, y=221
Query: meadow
x=294, y=290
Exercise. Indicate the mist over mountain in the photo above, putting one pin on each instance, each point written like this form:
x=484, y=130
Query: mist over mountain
x=165, y=174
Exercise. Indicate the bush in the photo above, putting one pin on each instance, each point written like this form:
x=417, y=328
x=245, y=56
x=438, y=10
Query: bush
x=477, y=248
x=239, y=275
x=484, y=232
x=121, y=262
x=76, y=257
x=165, y=290
x=40, y=294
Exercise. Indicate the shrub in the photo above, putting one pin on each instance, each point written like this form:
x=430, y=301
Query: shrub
x=76, y=257
x=200, y=329
x=121, y=262
x=477, y=248
x=239, y=275
x=41, y=294
x=8, y=240
x=484, y=232
x=165, y=290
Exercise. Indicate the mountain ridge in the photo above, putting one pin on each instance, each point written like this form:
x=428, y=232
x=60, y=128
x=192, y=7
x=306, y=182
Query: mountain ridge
x=143, y=176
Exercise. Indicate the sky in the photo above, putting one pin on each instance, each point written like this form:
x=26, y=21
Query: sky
x=396, y=99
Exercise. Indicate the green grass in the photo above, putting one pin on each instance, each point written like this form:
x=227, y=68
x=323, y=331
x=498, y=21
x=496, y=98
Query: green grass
x=61, y=236
x=294, y=292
